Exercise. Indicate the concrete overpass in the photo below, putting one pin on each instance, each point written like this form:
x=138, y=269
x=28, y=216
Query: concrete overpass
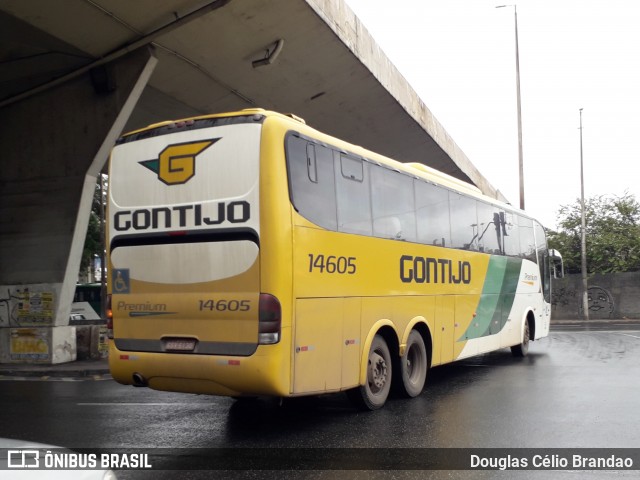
x=75, y=74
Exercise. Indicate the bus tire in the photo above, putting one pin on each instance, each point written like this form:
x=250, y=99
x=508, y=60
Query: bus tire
x=373, y=394
x=414, y=366
x=522, y=348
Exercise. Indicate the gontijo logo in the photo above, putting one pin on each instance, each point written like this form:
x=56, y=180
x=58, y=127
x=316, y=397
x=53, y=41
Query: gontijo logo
x=176, y=164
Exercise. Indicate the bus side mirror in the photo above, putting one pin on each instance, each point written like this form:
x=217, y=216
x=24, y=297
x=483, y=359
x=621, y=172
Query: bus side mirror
x=557, y=267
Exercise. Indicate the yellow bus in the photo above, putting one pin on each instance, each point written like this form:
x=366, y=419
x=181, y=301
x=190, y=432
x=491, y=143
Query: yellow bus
x=250, y=254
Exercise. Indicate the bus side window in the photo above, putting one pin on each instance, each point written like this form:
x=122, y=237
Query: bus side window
x=393, y=204
x=527, y=239
x=489, y=229
x=432, y=214
x=464, y=222
x=511, y=235
x=311, y=181
x=353, y=195
x=543, y=260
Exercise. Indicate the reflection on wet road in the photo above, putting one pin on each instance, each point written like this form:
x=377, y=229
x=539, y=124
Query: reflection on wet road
x=576, y=389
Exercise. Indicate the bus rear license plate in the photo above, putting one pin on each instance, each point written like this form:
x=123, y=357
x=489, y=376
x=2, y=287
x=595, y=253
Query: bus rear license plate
x=181, y=344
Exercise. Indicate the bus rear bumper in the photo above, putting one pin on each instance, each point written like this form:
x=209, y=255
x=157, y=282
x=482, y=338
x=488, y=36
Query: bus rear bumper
x=258, y=374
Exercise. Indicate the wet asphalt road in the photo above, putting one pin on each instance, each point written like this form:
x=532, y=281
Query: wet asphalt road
x=576, y=389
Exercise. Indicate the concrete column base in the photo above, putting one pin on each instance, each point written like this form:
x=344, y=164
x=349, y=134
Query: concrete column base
x=43, y=345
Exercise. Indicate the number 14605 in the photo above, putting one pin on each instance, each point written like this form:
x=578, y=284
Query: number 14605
x=332, y=264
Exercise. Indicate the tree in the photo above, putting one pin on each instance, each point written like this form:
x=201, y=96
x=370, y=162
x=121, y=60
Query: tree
x=93, y=243
x=612, y=233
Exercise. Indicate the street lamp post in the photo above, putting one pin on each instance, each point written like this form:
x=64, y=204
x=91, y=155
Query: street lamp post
x=519, y=107
x=583, y=239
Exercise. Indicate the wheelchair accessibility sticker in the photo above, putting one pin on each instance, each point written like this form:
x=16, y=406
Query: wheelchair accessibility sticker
x=121, y=280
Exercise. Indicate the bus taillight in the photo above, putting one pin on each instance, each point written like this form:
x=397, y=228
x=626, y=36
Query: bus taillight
x=270, y=320
x=109, y=313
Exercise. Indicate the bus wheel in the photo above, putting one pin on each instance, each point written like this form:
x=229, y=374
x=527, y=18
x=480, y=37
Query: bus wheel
x=414, y=365
x=522, y=349
x=373, y=394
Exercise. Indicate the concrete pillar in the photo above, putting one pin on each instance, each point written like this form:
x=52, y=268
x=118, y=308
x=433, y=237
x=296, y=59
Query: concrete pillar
x=54, y=144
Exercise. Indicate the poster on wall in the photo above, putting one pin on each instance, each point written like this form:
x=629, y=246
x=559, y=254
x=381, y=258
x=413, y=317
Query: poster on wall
x=29, y=344
x=35, y=307
x=103, y=344
x=32, y=305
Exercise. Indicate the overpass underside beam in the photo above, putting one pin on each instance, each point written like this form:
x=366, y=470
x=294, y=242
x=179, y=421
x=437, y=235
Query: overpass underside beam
x=55, y=144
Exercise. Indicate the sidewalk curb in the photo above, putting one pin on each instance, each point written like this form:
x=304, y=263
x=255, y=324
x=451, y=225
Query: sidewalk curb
x=53, y=373
x=597, y=323
x=78, y=369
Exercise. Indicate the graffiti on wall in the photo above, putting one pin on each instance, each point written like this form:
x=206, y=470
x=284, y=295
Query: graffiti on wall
x=612, y=295
x=601, y=304
x=563, y=296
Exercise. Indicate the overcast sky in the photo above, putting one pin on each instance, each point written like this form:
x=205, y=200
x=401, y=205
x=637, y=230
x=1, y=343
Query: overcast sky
x=459, y=56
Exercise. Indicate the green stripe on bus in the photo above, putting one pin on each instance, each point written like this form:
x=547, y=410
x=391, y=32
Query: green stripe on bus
x=498, y=294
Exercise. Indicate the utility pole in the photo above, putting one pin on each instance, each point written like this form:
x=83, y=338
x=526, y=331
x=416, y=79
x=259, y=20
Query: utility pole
x=519, y=107
x=585, y=294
